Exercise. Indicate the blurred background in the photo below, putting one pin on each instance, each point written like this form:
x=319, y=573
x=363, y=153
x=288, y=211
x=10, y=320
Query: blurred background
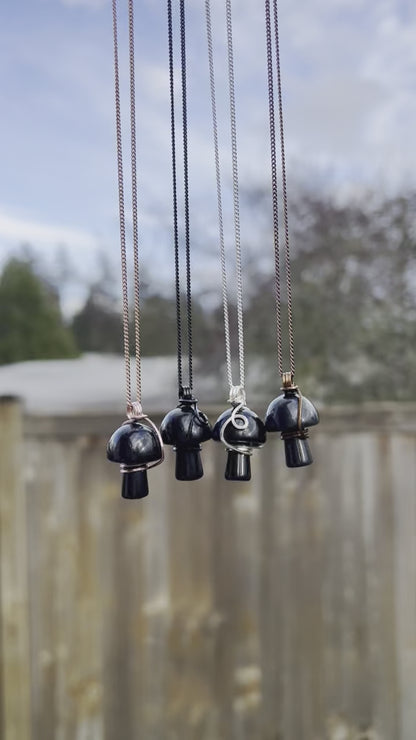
x=282, y=609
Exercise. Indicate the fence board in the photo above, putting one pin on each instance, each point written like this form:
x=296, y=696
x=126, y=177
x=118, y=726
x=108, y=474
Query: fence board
x=14, y=596
x=284, y=608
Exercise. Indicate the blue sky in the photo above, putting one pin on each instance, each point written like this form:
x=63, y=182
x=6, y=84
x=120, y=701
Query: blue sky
x=349, y=75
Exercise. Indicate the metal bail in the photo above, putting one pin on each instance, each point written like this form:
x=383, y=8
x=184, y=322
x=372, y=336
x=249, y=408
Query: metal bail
x=185, y=393
x=134, y=410
x=287, y=380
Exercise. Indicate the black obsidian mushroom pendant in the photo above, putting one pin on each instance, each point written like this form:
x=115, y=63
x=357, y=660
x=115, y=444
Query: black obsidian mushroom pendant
x=241, y=431
x=185, y=428
x=136, y=446
x=291, y=414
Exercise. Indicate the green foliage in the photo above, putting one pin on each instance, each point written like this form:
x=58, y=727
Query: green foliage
x=31, y=325
x=354, y=287
x=97, y=326
x=354, y=299
x=158, y=323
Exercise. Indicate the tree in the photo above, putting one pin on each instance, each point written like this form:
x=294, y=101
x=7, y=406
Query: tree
x=158, y=325
x=97, y=326
x=31, y=324
x=354, y=300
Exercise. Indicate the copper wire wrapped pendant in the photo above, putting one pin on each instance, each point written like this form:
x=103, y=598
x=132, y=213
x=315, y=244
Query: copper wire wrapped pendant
x=291, y=414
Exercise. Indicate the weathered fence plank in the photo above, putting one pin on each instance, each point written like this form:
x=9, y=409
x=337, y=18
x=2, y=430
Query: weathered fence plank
x=280, y=609
x=14, y=596
x=404, y=522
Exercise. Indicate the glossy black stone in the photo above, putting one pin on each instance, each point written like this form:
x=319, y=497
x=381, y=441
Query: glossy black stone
x=134, y=485
x=188, y=464
x=297, y=452
x=253, y=436
x=186, y=428
x=238, y=466
x=282, y=414
x=134, y=444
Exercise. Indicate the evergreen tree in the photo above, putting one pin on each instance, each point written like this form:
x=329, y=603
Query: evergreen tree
x=97, y=326
x=354, y=300
x=31, y=324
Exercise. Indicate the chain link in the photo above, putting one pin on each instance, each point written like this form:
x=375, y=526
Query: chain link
x=120, y=179
x=219, y=194
x=285, y=198
x=236, y=200
x=236, y=196
x=275, y=203
x=175, y=195
x=182, y=389
x=137, y=335
x=186, y=193
x=275, y=200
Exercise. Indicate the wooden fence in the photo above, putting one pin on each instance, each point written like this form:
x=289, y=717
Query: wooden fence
x=283, y=609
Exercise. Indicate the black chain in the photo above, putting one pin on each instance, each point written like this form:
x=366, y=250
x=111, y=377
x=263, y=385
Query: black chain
x=175, y=196
x=186, y=191
x=183, y=390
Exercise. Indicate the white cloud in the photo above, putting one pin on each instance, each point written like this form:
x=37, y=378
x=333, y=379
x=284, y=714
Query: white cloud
x=17, y=230
x=93, y=4
x=349, y=71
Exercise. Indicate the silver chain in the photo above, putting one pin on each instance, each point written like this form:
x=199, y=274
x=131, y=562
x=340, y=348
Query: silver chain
x=120, y=178
x=237, y=393
x=236, y=196
x=219, y=194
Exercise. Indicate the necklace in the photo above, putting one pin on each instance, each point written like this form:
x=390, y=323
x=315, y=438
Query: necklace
x=185, y=427
x=238, y=428
x=137, y=444
x=290, y=413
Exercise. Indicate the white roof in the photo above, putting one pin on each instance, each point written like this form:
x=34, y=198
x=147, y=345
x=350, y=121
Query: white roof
x=94, y=383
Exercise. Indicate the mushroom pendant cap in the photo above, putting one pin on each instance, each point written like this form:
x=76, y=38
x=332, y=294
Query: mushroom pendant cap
x=282, y=413
x=291, y=414
x=135, y=444
x=239, y=426
x=186, y=428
